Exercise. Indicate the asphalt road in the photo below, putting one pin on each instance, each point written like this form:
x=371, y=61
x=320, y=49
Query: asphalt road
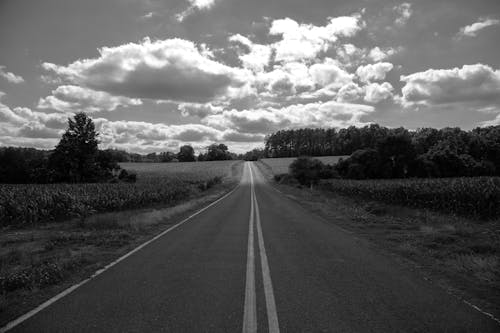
x=256, y=261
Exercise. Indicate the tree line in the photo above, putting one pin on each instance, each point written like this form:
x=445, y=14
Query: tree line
x=77, y=158
x=380, y=152
x=186, y=153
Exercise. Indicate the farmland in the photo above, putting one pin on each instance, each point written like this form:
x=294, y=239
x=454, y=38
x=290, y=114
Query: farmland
x=184, y=171
x=280, y=165
x=53, y=234
x=158, y=183
x=473, y=196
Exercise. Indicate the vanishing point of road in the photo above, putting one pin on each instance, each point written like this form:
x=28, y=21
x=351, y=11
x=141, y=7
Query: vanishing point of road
x=256, y=261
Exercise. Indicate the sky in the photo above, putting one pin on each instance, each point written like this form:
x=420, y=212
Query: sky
x=155, y=75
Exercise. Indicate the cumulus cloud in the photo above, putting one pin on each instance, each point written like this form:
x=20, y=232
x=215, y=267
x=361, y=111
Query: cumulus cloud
x=376, y=93
x=379, y=54
x=479, y=84
x=474, y=28
x=318, y=114
x=172, y=69
x=254, y=56
x=70, y=98
x=305, y=41
x=373, y=72
x=349, y=93
x=21, y=124
x=404, y=12
x=9, y=76
x=328, y=73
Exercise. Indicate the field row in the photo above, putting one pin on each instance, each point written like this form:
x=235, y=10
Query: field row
x=158, y=183
x=474, y=197
x=191, y=172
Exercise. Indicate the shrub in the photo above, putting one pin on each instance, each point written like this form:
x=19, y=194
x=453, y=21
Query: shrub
x=306, y=170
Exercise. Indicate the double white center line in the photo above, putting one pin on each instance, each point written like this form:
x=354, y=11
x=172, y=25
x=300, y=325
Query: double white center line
x=250, y=310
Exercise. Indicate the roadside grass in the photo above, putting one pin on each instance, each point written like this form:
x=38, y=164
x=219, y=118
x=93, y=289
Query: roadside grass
x=40, y=260
x=459, y=253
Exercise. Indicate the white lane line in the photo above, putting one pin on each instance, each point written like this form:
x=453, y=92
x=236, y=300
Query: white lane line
x=272, y=315
x=250, y=309
x=492, y=317
x=54, y=299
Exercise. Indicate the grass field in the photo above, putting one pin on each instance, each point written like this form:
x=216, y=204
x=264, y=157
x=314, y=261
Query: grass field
x=158, y=183
x=280, y=165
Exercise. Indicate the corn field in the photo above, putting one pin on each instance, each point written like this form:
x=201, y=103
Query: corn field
x=185, y=171
x=473, y=197
x=34, y=203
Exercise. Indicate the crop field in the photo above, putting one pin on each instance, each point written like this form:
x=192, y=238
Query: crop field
x=473, y=197
x=157, y=184
x=184, y=171
x=280, y=165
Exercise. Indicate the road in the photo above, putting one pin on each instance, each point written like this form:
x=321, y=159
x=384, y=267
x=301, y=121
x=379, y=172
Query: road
x=257, y=261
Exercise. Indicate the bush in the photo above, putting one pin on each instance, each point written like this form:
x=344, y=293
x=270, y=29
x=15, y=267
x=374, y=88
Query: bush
x=306, y=170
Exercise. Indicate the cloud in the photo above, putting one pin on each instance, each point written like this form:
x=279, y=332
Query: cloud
x=199, y=110
x=75, y=99
x=255, y=57
x=477, y=84
x=305, y=41
x=474, y=28
x=404, y=12
x=264, y=121
x=376, y=93
x=493, y=122
x=23, y=124
x=373, y=72
x=147, y=15
x=378, y=54
x=328, y=73
x=11, y=77
x=234, y=136
x=172, y=69
x=349, y=93
x=195, y=5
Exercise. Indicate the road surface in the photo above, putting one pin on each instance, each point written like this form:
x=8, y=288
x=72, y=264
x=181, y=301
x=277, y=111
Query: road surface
x=256, y=261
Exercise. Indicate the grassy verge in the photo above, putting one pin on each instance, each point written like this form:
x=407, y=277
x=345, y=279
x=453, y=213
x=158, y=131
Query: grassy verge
x=461, y=254
x=40, y=260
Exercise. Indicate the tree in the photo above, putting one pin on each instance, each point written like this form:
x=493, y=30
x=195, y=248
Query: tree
x=186, y=154
x=306, y=170
x=167, y=156
x=218, y=152
x=397, y=152
x=74, y=159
